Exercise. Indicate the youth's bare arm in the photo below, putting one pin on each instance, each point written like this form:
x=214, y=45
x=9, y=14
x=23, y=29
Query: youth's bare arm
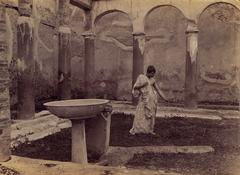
x=141, y=86
x=159, y=91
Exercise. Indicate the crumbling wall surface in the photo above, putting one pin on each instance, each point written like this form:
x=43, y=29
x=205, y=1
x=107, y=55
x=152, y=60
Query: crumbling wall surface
x=165, y=48
x=4, y=89
x=11, y=22
x=45, y=15
x=45, y=48
x=113, y=56
x=218, y=62
x=218, y=58
x=11, y=39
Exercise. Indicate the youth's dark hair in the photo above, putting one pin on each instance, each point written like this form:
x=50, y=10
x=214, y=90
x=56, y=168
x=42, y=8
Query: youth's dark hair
x=151, y=69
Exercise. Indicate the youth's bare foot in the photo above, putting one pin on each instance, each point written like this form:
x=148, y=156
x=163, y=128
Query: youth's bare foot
x=132, y=132
x=153, y=133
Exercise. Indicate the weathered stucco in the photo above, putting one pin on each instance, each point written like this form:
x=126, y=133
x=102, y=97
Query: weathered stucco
x=165, y=48
x=45, y=48
x=164, y=23
x=113, y=56
x=218, y=59
x=77, y=52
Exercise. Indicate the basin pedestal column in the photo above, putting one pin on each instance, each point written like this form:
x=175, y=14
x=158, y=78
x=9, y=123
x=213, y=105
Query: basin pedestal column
x=79, y=151
x=191, y=66
x=79, y=111
x=138, y=57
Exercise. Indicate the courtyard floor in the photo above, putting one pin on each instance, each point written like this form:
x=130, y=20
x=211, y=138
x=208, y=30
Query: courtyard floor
x=188, y=142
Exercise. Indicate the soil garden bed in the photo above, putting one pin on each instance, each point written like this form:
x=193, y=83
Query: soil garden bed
x=223, y=136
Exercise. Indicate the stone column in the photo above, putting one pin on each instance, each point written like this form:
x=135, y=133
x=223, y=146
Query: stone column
x=191, y=66
x=64, y=63
x=89, y=67
x=89, y=56
x=138, y=57
x=5, y=127
x=64, y=53
x=25, y=60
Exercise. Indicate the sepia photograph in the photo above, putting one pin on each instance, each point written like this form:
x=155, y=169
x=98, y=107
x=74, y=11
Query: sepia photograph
x=119, y=87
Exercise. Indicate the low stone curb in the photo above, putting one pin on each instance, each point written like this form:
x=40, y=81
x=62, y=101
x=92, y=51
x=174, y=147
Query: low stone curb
x=170, y=112
x=119, y=156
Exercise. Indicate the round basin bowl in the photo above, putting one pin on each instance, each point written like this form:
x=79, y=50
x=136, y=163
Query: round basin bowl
x=77, y=108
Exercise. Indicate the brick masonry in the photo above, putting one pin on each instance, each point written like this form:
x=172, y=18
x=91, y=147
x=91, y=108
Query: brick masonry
x=4, y=91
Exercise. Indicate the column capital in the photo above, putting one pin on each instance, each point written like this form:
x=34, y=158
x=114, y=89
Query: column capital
x=26, y=19
x=89, y=34
x=136, y=34
x=192, y=27
x=64, y=29
x=25, y=7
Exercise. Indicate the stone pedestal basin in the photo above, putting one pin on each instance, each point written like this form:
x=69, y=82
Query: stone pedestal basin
x=78, y=111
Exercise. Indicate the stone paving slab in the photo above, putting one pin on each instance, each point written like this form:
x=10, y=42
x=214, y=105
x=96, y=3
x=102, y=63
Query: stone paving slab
x=44, y=124
x=26, y=166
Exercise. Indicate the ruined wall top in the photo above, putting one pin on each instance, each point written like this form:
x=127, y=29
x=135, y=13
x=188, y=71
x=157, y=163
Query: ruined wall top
x=137, y=10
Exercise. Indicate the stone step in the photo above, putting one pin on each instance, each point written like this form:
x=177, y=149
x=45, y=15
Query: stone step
x=42, y=113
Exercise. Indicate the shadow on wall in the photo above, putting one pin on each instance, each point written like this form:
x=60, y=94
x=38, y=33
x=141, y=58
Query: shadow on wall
x=78, y=92
x=106, y=89
x=45, y=89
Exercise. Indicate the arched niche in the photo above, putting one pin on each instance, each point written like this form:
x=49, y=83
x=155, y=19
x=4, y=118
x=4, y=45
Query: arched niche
x=165, y=48
x=218, y=56
x=113, y=55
